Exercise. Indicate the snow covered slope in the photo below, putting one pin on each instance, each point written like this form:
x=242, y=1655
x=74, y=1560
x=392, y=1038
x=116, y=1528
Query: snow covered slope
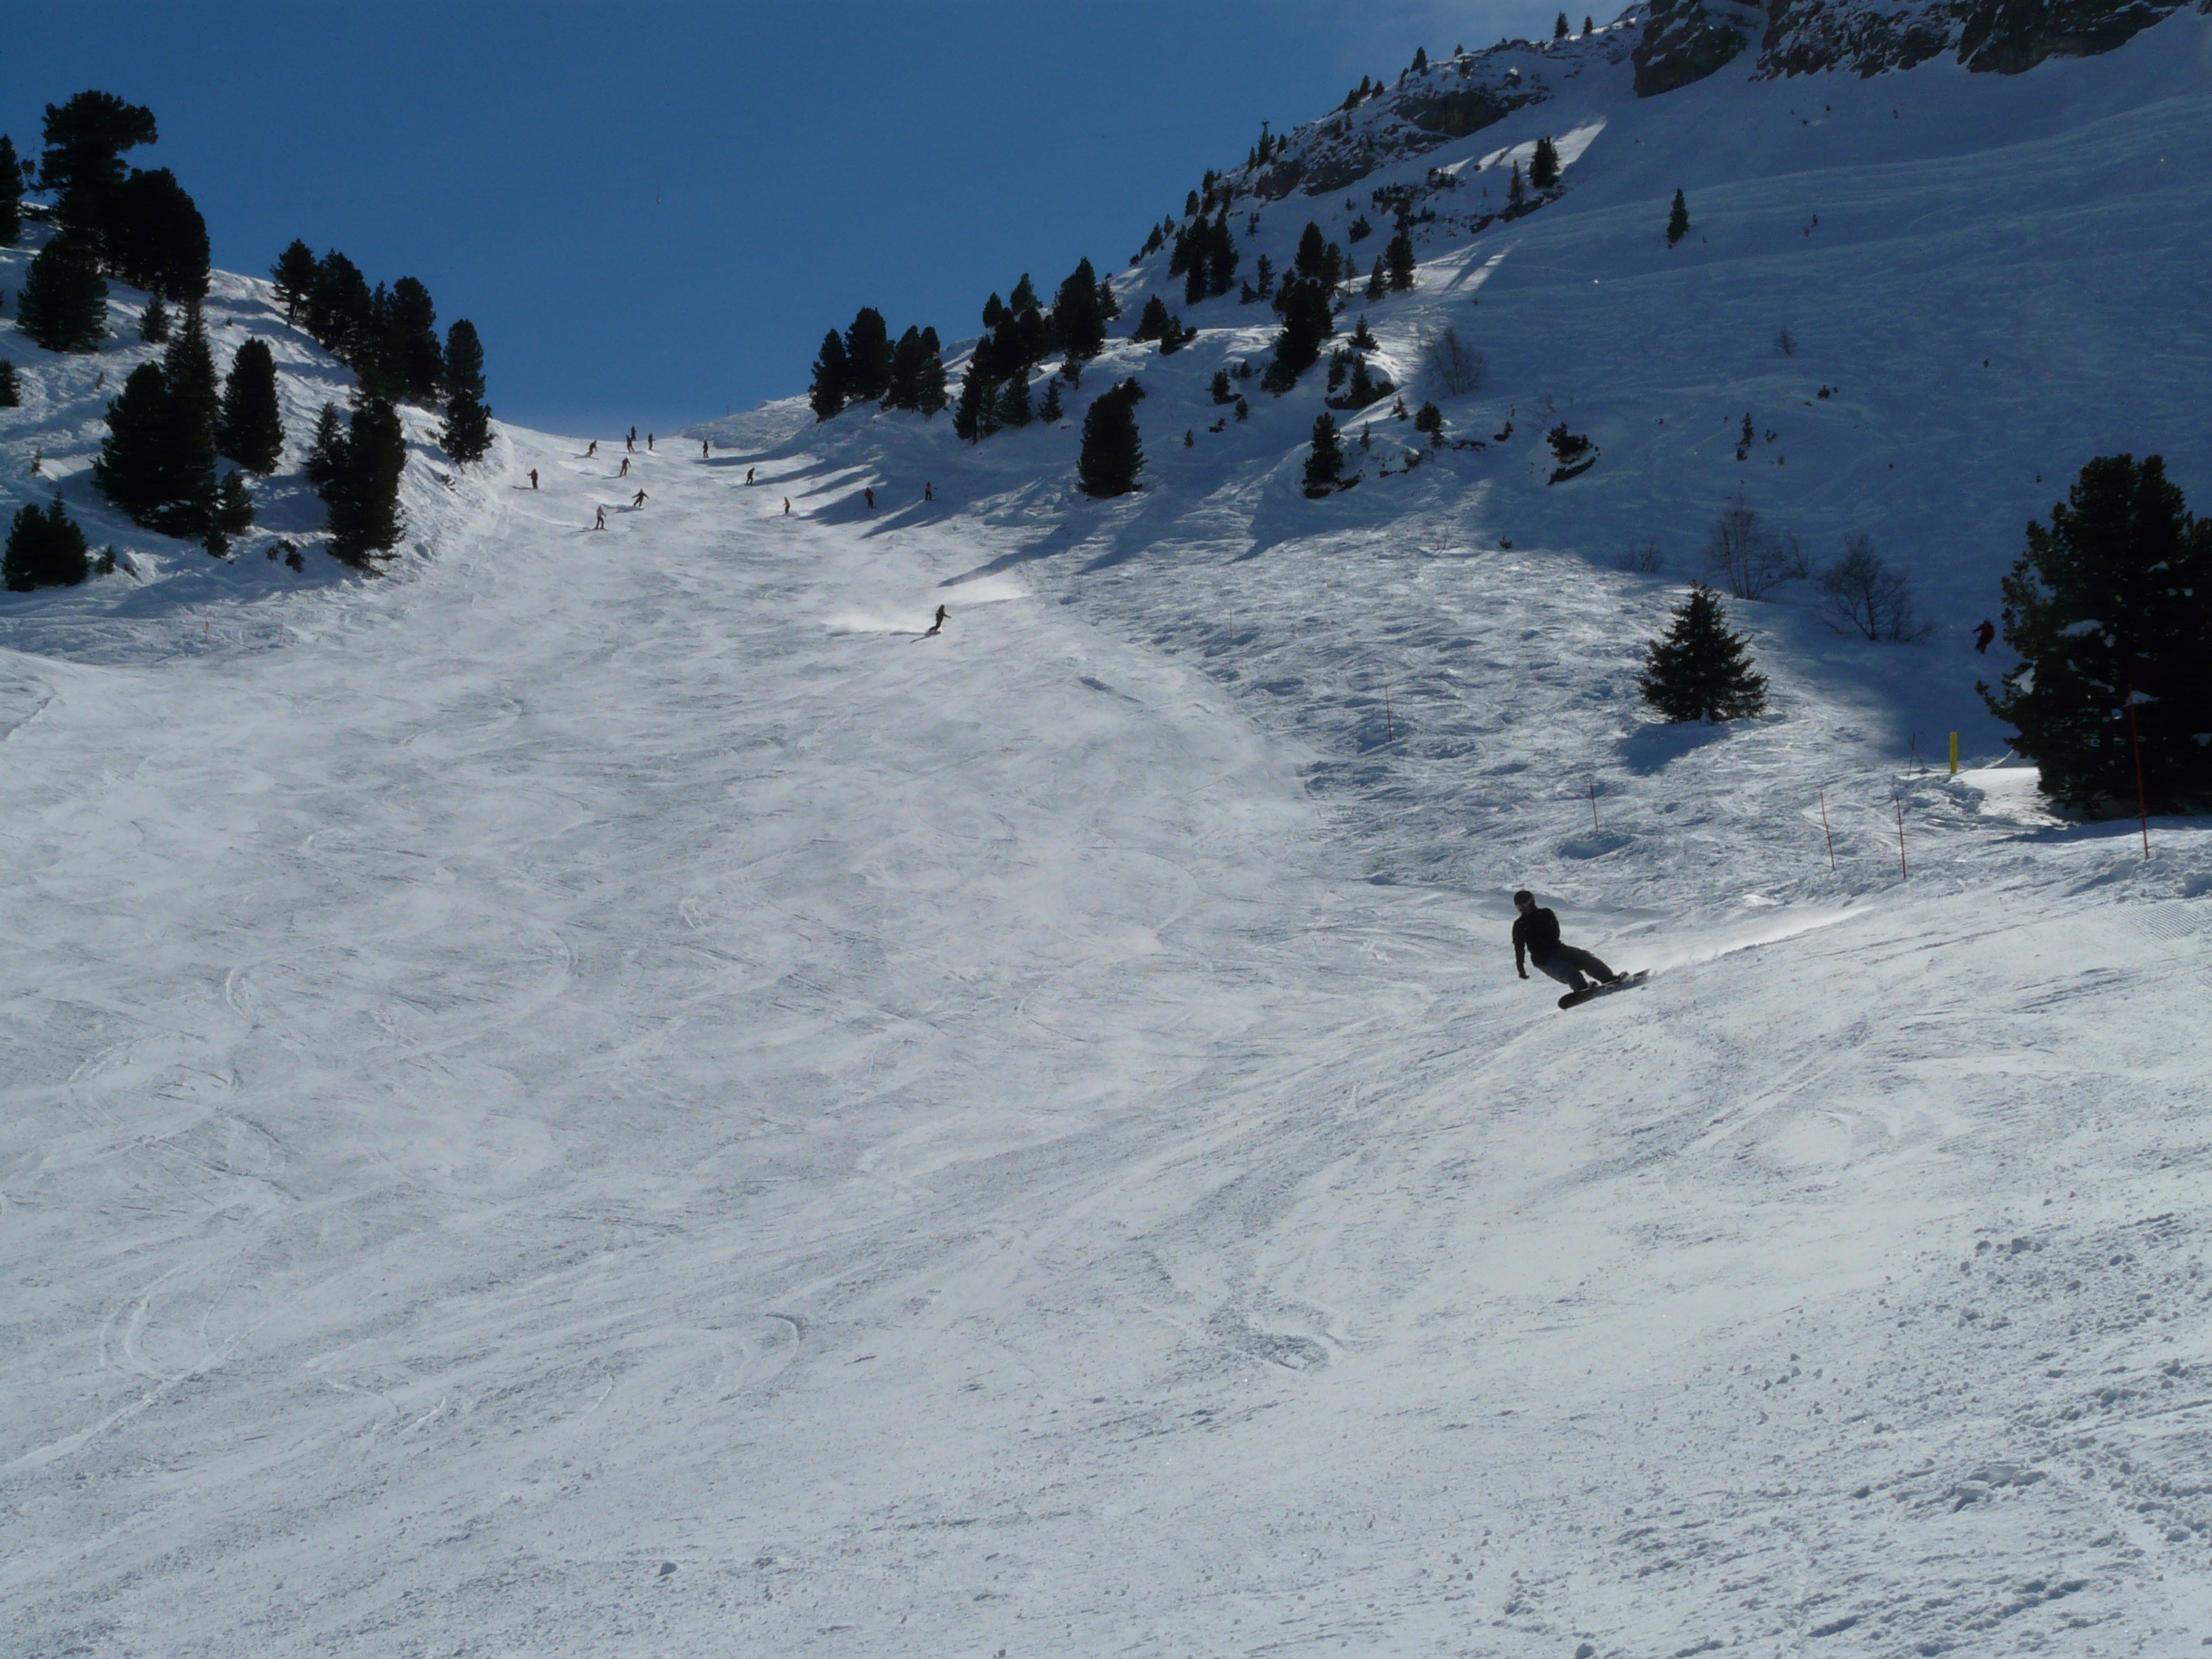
x=611, y=1097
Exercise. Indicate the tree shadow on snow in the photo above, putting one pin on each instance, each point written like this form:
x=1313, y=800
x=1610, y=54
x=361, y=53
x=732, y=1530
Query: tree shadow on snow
x=1654, y=748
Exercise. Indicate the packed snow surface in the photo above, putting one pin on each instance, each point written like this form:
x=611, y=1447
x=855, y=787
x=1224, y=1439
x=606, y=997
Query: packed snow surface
x=608, y=1095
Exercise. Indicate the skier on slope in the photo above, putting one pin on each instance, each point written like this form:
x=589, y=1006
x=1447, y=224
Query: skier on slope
x=871, y=495
x=702, y=449
x=1983, y=635
x=787, y=507
x=648, y=441
x=938, y=626
x=749, y=475
x=624, y=473
x=637, y=500
x=592, y=450
x=533, y=477
x=1536, y=937
x=600, y=523
x=928, y=492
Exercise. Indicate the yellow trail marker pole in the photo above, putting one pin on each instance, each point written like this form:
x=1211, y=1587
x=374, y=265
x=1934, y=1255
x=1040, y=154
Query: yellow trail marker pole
x=1954, y=754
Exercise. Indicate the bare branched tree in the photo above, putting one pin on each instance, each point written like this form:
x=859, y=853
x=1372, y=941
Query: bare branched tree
x=1643, y=559
x=1863, y=596
x=1452, y=366
x=1747, y=559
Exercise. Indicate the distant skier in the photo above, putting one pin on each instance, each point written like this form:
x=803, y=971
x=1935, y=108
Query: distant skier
x=649, y=442
x=871, y=495
x=929, y=492
x=787, y=507
x=624, y=473
x=702, y=449
x=637, y=500
x=600, y=523
x=1536, y=937
x=1983, y=634
x=631, y=441
x=749, y=475
x=938, y=626
x=593, y=450
x=533, y=477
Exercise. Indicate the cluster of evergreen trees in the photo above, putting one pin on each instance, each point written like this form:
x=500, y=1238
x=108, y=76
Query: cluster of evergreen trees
x=110, y=220
x=862, y=366
x=1018, y=334
x=166, y=430
x=1306, y=300
x=44, y=550
x=1204, y=256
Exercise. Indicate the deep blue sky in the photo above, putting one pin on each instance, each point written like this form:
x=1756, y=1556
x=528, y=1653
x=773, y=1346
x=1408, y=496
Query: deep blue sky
x=651, y=211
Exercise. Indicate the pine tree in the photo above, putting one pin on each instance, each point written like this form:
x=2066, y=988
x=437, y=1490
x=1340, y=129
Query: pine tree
x=1678, y=220
x=1014, y=402
x=1544, y=165
x=156, y=238
x=1588, y=27
x=1023, y=297
x=1222, y=256
x=971, y=415
x=327, y=456
x=250, y=429
x=11, y=193
x=44, y=550
x=1363, y=338
x=1430, y=419
x=1325, y=466
x=867, y=356
x=1700, y=671
x=1194, y=282
x=1219, y=387
x=154, y=321
x=1517, y=192
x=1112, y=452
x=466, y=435
x=11, y=396
x=362, y=474
x=1559, y=30
x=832, y=378
x=929, y=378
x=1400, y=255
x=1156, y=322
x=1049, y=410
x=1309, y=318
x=134, y=468
x=413, y=360
x=906, y=366
x=2113, y=599
x=64, y=303
x=1077, y=319
x=189, y=365
x=293, y=277
x=1313, y=252
x=82, y=162
x=233, y=516
x=340, y=310
x=1378, y=281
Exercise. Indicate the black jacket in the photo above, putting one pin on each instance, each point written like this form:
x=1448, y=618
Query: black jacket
x=1538, y=935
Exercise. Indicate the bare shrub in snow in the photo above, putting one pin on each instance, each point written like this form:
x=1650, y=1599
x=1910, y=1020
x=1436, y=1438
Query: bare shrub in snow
x=1859, y=594
x=1747, y=559
x=1643, y=559
x=1453, y=366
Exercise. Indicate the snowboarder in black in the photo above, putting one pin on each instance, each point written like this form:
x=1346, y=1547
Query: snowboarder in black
x=749, y=475
x=601, y=522
x=1536, y=937
x=624, y=473
x=937, y=627
x=637, y=500
x=648, y=441
x=787, y=507
x=871, y=495
x=702, y=449
x=1983, y=634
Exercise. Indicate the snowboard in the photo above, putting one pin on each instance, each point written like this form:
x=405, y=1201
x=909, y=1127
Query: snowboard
x=1621, y=984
